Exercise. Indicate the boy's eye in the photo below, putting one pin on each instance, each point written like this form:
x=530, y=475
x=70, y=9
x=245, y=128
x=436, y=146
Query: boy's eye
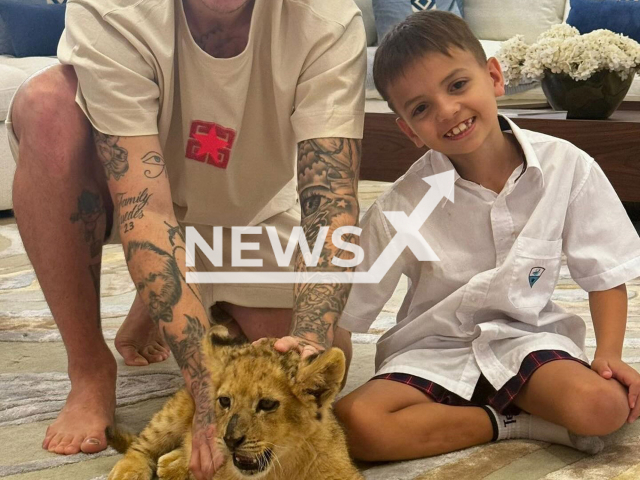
x=459, y=84
x=419, y=109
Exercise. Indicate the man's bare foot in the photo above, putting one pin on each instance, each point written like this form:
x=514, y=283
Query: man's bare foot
x=138, y=340
x=89, y=409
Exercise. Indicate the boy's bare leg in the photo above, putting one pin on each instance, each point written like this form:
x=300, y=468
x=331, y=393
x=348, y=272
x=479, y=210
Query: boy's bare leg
x=387, y=420
x=566, y=393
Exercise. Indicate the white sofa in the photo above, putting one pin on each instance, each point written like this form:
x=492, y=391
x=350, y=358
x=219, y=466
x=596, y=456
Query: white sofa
x=13, y=71
x=492, y=20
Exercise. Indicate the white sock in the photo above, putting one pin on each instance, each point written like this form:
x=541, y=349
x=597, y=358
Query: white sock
x=528, y=426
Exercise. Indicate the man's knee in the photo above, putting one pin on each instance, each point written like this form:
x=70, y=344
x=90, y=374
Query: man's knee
x=46, y=96
x=46, y=118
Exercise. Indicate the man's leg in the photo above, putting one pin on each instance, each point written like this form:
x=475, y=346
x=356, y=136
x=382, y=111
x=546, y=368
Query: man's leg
x=567, y=393
x=387, y=420
x=62, y=212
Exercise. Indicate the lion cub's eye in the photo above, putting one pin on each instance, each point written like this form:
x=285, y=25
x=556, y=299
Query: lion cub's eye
x=267, y=405
x=225, y=402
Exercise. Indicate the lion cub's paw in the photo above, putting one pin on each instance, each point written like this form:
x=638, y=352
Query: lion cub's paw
x=131, y=469
x=173, y=466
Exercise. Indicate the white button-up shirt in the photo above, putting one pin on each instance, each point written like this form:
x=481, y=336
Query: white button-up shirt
x=486, y=304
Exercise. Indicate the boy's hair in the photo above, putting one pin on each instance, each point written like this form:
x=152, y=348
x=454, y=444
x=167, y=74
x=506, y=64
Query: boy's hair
x=418, y=35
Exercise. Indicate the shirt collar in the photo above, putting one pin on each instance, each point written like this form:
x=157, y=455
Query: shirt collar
x=441, y=163
x=530, y=157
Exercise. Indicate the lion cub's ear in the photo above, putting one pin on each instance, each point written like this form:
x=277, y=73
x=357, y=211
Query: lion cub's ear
x=216, y=346
x=320, y=377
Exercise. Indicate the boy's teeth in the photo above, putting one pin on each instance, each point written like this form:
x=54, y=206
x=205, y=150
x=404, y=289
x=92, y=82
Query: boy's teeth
x=460, y=128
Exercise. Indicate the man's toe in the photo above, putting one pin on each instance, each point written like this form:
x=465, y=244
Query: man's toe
x=132, y=357
x=47, y=439
x=74, y=446
x=153, y=354
x=54, y=441
x=94, y=443
x=64, y=442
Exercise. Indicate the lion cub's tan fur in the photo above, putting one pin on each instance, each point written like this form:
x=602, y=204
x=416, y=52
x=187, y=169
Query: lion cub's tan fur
x=299, y=439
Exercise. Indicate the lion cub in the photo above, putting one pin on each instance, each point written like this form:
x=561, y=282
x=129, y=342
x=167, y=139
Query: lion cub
x=273, y=418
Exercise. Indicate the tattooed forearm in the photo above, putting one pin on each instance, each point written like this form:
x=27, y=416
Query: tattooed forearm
x=158, y=278
x=177, y=241
x=327, y=183
x=131, y=208
x=188, y=356
x=155, y=163
x=113, y=156
x=90, y=210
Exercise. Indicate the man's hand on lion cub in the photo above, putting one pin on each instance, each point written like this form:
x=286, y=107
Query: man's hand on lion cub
x=272, y=413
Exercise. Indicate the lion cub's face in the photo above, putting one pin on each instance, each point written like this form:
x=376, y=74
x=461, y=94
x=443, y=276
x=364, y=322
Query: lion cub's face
x=267, y=403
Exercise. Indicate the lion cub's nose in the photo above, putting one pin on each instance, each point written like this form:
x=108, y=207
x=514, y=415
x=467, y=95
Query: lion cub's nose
x=234, y=442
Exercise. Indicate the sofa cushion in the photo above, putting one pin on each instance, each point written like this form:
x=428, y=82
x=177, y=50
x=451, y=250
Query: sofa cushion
x=366, y=8
x=14, y=71
x=614, y=15
x=10, y=79
x=34, y=29
x=502, y=19
x=6, y=47
x=390, y=12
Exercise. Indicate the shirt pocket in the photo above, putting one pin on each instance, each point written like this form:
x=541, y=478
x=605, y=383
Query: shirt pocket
x=536, y=268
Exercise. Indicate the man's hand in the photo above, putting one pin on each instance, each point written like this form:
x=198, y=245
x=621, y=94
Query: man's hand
x=206, y=459
x=303, y=346
x=615, y=368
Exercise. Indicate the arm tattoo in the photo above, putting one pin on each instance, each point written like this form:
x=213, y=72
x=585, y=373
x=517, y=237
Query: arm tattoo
x=189, y=358
x=176, y=231
x=131, y=208
x=113, y=156
x=90, y=209
x=327, y=183
x=155, y=163
x=158, y=278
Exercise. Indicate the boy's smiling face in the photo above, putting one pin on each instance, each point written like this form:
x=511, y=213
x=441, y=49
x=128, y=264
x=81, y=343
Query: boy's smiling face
x=449, y=102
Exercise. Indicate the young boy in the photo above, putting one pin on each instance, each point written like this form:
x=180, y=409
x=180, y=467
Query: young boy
x=478, y=342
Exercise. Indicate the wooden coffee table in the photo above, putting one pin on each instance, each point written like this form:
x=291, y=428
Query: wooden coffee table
x=614, y=143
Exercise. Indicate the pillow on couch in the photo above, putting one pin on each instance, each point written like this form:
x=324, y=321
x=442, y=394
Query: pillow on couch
x=615, y=15
x=502, y=19
x=390, y=12
x=34, y=28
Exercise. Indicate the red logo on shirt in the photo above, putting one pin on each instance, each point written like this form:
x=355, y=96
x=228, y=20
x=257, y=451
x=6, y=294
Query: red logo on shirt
x=210, y=143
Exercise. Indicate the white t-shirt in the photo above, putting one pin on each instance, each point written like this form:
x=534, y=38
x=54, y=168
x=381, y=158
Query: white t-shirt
x=487, y=303
x=229, y=128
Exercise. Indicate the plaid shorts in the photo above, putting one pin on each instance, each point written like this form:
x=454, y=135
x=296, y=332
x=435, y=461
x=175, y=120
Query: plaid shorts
x=484, y=393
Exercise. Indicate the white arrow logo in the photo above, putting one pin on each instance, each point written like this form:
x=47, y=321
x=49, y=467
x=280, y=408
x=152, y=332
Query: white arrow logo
x=407, y=235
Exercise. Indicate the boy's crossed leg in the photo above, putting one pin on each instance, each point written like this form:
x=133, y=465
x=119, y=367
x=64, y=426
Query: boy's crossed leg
x=566, y=393
x=388, y=420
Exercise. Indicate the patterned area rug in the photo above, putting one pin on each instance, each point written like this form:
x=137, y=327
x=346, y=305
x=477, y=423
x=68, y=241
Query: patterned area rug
x=33, y=385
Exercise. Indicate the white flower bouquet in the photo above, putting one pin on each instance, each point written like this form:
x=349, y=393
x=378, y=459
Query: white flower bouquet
x=562, y=49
